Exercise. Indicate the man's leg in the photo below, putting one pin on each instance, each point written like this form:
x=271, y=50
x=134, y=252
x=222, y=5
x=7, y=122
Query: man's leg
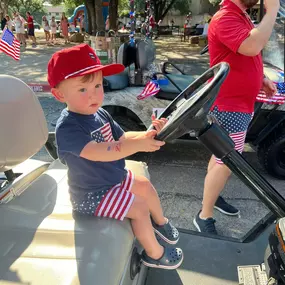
x=215, y=182
x=212, y=162
x=236, y=125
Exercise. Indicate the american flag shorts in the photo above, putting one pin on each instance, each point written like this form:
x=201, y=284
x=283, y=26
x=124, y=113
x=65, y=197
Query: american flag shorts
x=236, y=125
x=113, y=203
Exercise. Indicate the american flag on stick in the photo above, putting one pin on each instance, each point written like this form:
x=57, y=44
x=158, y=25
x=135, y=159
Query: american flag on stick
x=9, y=44
x=150, y=89
x=103, y=134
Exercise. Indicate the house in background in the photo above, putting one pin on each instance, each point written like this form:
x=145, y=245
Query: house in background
x=200, y=13
x=55, y=11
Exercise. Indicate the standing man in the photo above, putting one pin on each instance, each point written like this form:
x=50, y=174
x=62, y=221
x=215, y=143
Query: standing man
x=233, y=39
x=31, y=28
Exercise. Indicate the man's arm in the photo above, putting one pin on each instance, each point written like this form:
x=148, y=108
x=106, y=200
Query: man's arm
x=260, y=35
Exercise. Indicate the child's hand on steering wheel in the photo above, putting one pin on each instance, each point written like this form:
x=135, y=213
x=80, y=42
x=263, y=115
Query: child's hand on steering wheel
x=158, y=123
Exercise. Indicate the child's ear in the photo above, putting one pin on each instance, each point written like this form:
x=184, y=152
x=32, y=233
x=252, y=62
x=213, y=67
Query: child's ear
x=57, y=94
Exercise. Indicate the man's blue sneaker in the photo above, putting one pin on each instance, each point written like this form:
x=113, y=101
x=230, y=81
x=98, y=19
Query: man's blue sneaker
x=205, y=226
x=225, y=208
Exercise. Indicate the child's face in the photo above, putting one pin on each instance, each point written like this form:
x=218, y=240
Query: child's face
x=81, y=97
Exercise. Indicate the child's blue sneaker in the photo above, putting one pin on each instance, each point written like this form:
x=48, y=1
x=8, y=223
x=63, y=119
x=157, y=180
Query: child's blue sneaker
x=167, y=232
x=171, y=259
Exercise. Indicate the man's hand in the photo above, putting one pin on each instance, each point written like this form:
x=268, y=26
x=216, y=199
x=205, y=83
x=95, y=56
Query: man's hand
x=158, y=123
x=269, y=88
x=272, y=5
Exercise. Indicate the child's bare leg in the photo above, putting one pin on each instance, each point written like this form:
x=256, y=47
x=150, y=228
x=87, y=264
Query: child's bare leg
x=142, y=187
x=142, y=228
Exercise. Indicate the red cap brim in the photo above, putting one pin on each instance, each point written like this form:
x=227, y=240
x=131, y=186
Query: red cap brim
x=107, y=70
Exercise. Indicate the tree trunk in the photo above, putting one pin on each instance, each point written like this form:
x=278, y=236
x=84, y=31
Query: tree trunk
x=99, y=16
x=113, y=14
x=161, y=9
x=91, y=17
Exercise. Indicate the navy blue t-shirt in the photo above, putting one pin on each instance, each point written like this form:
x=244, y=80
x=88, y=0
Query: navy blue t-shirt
x=73, y=132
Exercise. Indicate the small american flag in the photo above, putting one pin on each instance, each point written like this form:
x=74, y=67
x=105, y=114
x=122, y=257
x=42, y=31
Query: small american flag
x=150, y=89
x=9, y=44
x=278, y=98
x=103, y=134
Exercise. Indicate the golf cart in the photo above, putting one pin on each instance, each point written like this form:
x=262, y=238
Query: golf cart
x=44, y=242
x=266, y=131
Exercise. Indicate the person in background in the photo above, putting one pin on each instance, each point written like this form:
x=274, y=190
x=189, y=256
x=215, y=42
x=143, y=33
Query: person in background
x=172, y=24
x=233, y=39
x=138, y=23
x=46, y=28
x=143, y=28
x=64, y=28
x=9, y=23
x=3, y=21
x=188, y=21
x=31, y=28
x=206, y=27
x=53, y=26
x=20, y=28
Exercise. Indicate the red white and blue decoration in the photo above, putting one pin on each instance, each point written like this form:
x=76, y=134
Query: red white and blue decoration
x=132, y=22
x=151, y=89
x=9, y=44
x=279, y=97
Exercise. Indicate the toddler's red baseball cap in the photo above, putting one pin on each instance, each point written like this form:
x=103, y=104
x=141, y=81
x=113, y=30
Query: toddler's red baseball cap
x=77, y=61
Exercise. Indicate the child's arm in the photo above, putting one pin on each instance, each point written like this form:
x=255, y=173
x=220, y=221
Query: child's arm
x=130, y=135
x=120, y=149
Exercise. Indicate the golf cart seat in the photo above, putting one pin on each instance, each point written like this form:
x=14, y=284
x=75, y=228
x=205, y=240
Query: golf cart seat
x=141, y=54
x=168, y=90
x=137, y=56
x=174, y=83
x=41, y=242
x=116, y=82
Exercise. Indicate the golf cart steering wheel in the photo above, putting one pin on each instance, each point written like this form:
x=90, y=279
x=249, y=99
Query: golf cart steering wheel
x=188, y=111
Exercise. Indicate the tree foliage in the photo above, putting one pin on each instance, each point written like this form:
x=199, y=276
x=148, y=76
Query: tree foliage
x=160, y=7
x=35, y=7
x=69, y=5
x=215, y=2
x=26, y=5
x=4, y=7
x=183, y=6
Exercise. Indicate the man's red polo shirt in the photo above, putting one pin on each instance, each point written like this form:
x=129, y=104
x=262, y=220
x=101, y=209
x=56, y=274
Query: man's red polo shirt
x=229, y=27
x=30, y=21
